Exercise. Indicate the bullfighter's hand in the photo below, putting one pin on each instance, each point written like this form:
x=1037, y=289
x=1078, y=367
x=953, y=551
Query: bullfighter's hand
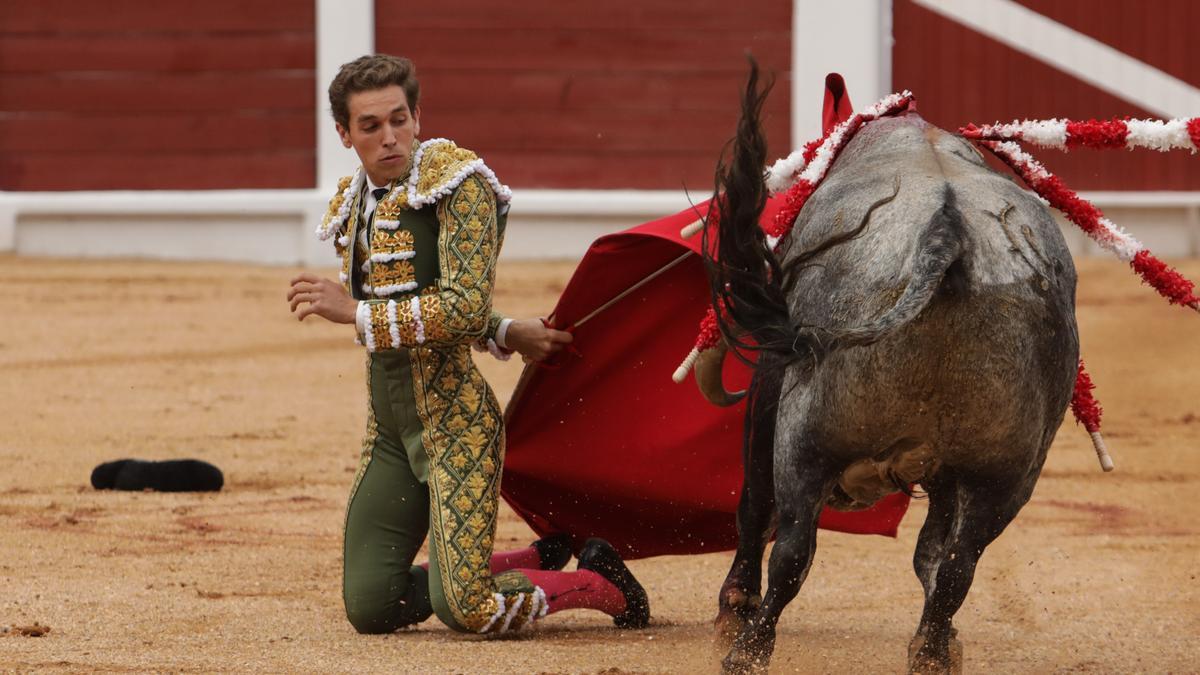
x=534, y=340
x=311, y=294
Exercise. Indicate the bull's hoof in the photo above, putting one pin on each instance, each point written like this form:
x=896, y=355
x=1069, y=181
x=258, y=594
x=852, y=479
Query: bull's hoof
x=926, y=661
x=736, y=608
x=741, y=662
x=751, y=652
x=728, y=625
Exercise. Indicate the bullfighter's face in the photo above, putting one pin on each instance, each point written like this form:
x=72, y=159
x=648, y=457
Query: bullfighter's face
x=381, y=131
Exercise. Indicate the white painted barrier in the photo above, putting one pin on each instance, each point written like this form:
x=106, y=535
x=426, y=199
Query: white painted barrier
x=276, y=226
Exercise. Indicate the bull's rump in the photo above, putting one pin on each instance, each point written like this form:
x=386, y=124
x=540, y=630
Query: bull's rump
x=989, y=362
x=980, y=376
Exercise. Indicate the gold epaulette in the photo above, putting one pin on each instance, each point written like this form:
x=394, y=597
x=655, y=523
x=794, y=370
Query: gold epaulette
x=440, y=166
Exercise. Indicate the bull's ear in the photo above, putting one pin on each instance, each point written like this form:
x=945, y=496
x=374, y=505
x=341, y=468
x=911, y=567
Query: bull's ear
x=837, y=103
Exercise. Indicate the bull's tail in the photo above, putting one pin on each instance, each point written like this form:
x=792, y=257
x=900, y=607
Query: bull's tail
x=746, y=279
x=744, y=276
x=941, y=244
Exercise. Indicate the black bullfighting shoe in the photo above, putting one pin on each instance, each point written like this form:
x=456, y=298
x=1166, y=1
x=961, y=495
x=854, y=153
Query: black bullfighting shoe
x=600, y=557
x=554, y=551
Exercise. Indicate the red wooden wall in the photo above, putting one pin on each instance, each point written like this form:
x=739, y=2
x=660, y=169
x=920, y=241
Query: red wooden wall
x=960, y=76
x=616, y=94
x=151, y=94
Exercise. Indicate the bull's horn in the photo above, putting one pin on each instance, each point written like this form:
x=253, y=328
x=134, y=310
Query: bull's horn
x=708, y=377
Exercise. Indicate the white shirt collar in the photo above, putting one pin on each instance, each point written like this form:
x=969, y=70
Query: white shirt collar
x=370, y=202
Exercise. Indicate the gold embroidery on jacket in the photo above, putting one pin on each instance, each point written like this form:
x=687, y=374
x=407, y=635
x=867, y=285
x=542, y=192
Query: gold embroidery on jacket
x=389, y=209
x=392, y=241
x=392, y=273
x=406, y=323
x=379, y=328
x=461, y=418
x=441, y=163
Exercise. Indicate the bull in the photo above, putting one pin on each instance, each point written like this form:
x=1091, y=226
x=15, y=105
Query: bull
x=916, y=327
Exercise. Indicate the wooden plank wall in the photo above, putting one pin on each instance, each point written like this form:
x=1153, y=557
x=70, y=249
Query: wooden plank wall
x=618, y=94
x=960, y=76
x=155, y=94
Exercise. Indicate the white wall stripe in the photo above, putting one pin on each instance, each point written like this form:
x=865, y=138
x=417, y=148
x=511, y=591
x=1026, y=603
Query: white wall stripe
x=1073, y=53
x=851, y=38
x=345, y=31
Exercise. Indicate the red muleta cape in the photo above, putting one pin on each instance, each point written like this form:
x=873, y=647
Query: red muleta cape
x=603, y=444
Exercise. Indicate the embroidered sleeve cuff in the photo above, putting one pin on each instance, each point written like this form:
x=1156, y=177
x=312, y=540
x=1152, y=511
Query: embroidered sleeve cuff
x=395, y=325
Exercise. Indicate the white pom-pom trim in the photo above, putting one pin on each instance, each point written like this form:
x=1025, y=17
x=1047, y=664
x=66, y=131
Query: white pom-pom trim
x=332, y=224
x=415, y=307
x=512, y=612
x=416, y=201
x=500, y=611
x=540, y=595
x=369, y=338
x=388, y=257
x=392, y=289
x=393, y=324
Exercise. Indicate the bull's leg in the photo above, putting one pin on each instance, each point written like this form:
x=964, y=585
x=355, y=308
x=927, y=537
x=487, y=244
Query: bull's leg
x=931, y=549
x=805, y=480
x=980, y=514
x=740, y=595
x=931, y=543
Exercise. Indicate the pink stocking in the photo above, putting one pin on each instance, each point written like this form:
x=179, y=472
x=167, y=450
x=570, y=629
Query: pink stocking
x=581, y=589
x=521, y=558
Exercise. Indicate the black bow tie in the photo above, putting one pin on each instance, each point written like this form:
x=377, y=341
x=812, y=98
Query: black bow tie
x=379, y=193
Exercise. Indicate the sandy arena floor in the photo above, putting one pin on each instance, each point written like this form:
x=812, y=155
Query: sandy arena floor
x=105, y=360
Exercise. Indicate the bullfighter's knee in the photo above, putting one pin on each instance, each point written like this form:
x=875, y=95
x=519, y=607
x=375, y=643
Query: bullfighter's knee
x=376, y=608
x=441, y=607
